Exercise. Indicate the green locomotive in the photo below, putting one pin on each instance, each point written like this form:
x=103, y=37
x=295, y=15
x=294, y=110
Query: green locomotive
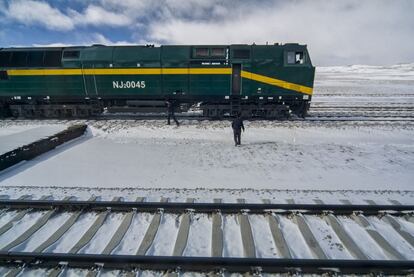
x=269, y=81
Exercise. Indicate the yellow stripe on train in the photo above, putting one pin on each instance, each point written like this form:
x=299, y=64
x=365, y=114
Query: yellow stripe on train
x=157, y=71
x=276, y=82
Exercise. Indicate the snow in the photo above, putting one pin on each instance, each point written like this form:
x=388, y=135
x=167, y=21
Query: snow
x=104, y=234
x=406, y=225
x=233, y=246
x=394, y=72
x=199, y=237
x=20, y=227
x=294, y=239
x=327, y=238
x=133, y=237
x=263, y=239
x=5, y=217
x=164, y=241
x=13, y=137
x=193, y=156
x=43, y=233
x=34, y=272
x=364, y=242
x=388, y=232
x=74, y=234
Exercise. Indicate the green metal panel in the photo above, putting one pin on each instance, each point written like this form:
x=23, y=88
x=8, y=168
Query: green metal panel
x=175, y=57
x=42, y=86
x=136, y=53
x=175, y=83
x=175, y=53
x=136, y=56
x=97, y=53
x=210, y=85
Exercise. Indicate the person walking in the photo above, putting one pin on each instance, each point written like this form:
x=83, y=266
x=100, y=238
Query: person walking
x=237, y=126
x=171, y=112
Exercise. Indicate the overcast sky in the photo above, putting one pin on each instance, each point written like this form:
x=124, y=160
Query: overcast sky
x=339, y=32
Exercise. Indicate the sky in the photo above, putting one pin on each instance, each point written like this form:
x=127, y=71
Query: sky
x=337, y=32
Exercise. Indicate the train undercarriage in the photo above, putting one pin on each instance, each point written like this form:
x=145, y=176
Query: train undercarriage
x=41, y=108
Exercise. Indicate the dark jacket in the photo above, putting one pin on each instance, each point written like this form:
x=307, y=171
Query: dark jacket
x=237, y=124
x=170, y=106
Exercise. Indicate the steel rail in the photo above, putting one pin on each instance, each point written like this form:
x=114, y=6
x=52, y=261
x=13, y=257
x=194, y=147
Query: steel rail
x=309, y=118
x=356, y=119
x=205, y=264
x=179, y=207
x=363, y=107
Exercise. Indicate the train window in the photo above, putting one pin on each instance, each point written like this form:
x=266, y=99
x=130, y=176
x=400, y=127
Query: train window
x=3, y=75
x=217, y=52
x=201, y=52
x=19, y=59
x=5, y=59
x=35, y=59
x=297, y=57
x=71, y=54
x=241, y=53
x=53, y=59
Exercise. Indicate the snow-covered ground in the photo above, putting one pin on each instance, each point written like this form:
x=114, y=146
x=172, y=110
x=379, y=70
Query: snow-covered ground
x=362, y=84
x=202, y=155
x=398, y=72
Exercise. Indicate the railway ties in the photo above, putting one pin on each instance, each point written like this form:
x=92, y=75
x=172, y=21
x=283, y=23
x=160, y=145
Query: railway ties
x=60, y=235
x=321, y=111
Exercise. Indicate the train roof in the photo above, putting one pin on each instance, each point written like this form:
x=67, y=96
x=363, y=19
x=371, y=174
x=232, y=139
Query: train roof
x=79, y=47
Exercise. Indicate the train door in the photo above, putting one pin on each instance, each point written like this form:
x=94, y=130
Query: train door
x=236, y=79
x=89, y=81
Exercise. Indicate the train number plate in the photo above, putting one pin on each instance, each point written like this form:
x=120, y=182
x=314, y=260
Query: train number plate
x=128, y=84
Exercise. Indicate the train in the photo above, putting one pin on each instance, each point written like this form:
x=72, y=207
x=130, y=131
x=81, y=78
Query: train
x=268, y=81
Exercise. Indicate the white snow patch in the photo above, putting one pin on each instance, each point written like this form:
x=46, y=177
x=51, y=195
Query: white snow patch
x=133, y=237
x=406, y=225
x=199, y=237
x=233, y=246
x=272, y=157
x=364, y=241
x=388, y=232
x=403, y=72
x=20, y=227
x=104, y=234
x=294, y=239
x=43, y=233
x=74, y=234
x=5, y=217
x=34, y=272
x=327, y=239
x=166, y=236
x=263, y=239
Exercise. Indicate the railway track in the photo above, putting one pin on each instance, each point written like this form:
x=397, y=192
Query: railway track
x=178, y=237
x=311, y=117
x=319, y=111
x=315, y=114
x=399, y=109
